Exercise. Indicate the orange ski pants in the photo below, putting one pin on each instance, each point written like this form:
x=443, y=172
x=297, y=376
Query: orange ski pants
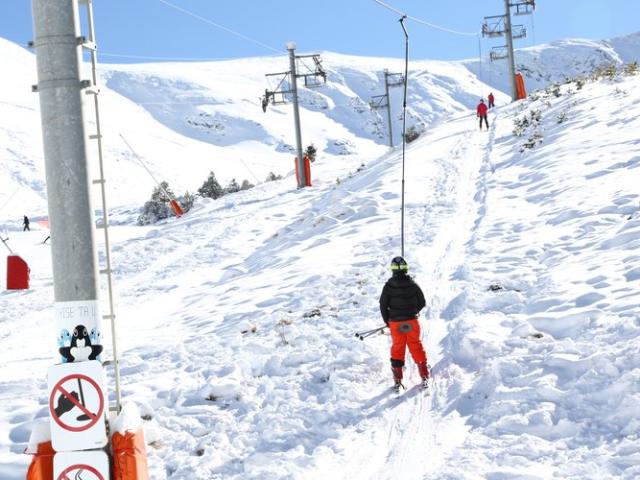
x=406, y=333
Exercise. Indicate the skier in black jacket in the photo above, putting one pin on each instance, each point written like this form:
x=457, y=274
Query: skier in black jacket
x=400, y=302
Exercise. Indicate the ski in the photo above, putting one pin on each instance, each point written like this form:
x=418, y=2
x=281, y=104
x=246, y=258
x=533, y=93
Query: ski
x=396, y=388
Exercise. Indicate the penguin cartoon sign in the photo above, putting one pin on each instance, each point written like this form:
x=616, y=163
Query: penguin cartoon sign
x=80, y=348
x=79, y=337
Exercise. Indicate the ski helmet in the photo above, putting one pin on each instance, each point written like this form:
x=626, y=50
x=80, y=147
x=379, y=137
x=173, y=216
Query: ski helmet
x=399, y=264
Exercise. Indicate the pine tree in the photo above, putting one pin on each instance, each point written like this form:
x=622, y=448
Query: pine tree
x=211, y=188
x=311, y=152
x=246, y=185
x=159, y=194
x=272, y=177
x=186, y=201
x=232, y=187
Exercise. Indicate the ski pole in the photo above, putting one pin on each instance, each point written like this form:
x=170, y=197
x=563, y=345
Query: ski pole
x=368, y=333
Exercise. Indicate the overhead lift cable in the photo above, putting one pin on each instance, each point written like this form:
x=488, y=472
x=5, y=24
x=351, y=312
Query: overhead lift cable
x=404, y=123
x=221, y=27
x=424, y=22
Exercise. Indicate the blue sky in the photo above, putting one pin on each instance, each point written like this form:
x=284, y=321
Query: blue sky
x=152, y=28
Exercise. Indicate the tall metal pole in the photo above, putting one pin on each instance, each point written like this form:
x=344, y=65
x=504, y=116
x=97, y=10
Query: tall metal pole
x=71, y=222
x=302, y=175
x=386, y=92
x=404, y=122
x=511, y=61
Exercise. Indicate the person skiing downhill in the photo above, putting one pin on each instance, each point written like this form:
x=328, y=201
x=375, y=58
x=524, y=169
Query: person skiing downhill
x=492, y=100
x=400, y=302
x=482, y=113
x=25, y=224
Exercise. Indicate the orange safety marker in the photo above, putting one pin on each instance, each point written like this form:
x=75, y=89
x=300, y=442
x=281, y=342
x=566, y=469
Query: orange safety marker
x=175, y=206
x=307, y=171
x=521, y=91
x=41, y=467
x=129, y=456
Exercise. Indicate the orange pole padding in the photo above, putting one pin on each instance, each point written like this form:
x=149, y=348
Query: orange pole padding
x=17, y=273
x=129, y=456
x=521, y=91
x=177, y=209
x=307, y=171
x=41, y=467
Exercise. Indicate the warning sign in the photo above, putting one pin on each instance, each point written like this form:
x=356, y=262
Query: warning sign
x=92, y=465
x=77, y=406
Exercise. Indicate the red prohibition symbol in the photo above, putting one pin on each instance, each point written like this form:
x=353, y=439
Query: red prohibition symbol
x=70, y=397
x=80, y=468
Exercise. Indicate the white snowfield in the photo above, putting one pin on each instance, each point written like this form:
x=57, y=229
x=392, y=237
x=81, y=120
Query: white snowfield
x=236, y=322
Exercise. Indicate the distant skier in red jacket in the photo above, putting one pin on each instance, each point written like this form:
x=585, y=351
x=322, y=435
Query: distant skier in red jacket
x=482, y=113
x=491, y=99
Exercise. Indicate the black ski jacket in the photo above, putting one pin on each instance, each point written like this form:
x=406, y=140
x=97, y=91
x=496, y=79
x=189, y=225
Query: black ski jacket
x=401, y=299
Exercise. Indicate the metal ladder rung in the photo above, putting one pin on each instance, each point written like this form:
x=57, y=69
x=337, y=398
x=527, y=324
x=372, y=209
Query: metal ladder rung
x=91, y=88
x=88, y=45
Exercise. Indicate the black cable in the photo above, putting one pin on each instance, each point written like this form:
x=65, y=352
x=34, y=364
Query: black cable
x=404, y=124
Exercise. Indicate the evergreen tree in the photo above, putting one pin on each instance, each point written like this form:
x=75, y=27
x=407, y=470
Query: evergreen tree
x=186, y=201
x=232, y=187
x=159, y=194
x=246, y=185
x=273, y=177
x=311, y=152
x=211, y=188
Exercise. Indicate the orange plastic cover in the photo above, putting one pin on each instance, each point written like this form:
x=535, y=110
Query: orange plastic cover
x=177, y=209
x=129, y=456
x=41, y=467
x=521, y=90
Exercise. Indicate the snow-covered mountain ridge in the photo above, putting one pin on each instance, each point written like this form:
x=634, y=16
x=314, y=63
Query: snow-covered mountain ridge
x=556, y=62
x=212, y=111
x=186, y=119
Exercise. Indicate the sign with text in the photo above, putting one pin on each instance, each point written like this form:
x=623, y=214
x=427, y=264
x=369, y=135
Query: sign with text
x=79, y=330
x=77, y=405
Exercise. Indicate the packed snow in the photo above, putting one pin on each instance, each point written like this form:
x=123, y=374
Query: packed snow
x=236, y=322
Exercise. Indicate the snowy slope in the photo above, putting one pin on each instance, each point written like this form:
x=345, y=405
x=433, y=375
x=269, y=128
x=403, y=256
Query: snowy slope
x=543, y=65
x=536, y=379
x=185, y=120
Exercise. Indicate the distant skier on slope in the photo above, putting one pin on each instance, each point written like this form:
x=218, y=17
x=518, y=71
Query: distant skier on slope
x=400, y=302
x=482, y=113
x=25, y=224
x=492, y=100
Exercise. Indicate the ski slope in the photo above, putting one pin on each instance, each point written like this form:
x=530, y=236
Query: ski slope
x=535, y=378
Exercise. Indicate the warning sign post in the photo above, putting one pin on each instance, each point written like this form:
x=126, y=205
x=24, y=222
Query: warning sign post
x=77, y=405
x=92, y=465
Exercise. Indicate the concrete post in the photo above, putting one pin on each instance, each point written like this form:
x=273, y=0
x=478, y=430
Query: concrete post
x=302, y=175
x=58, y=56
x=386, y=92
x=511, y=60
